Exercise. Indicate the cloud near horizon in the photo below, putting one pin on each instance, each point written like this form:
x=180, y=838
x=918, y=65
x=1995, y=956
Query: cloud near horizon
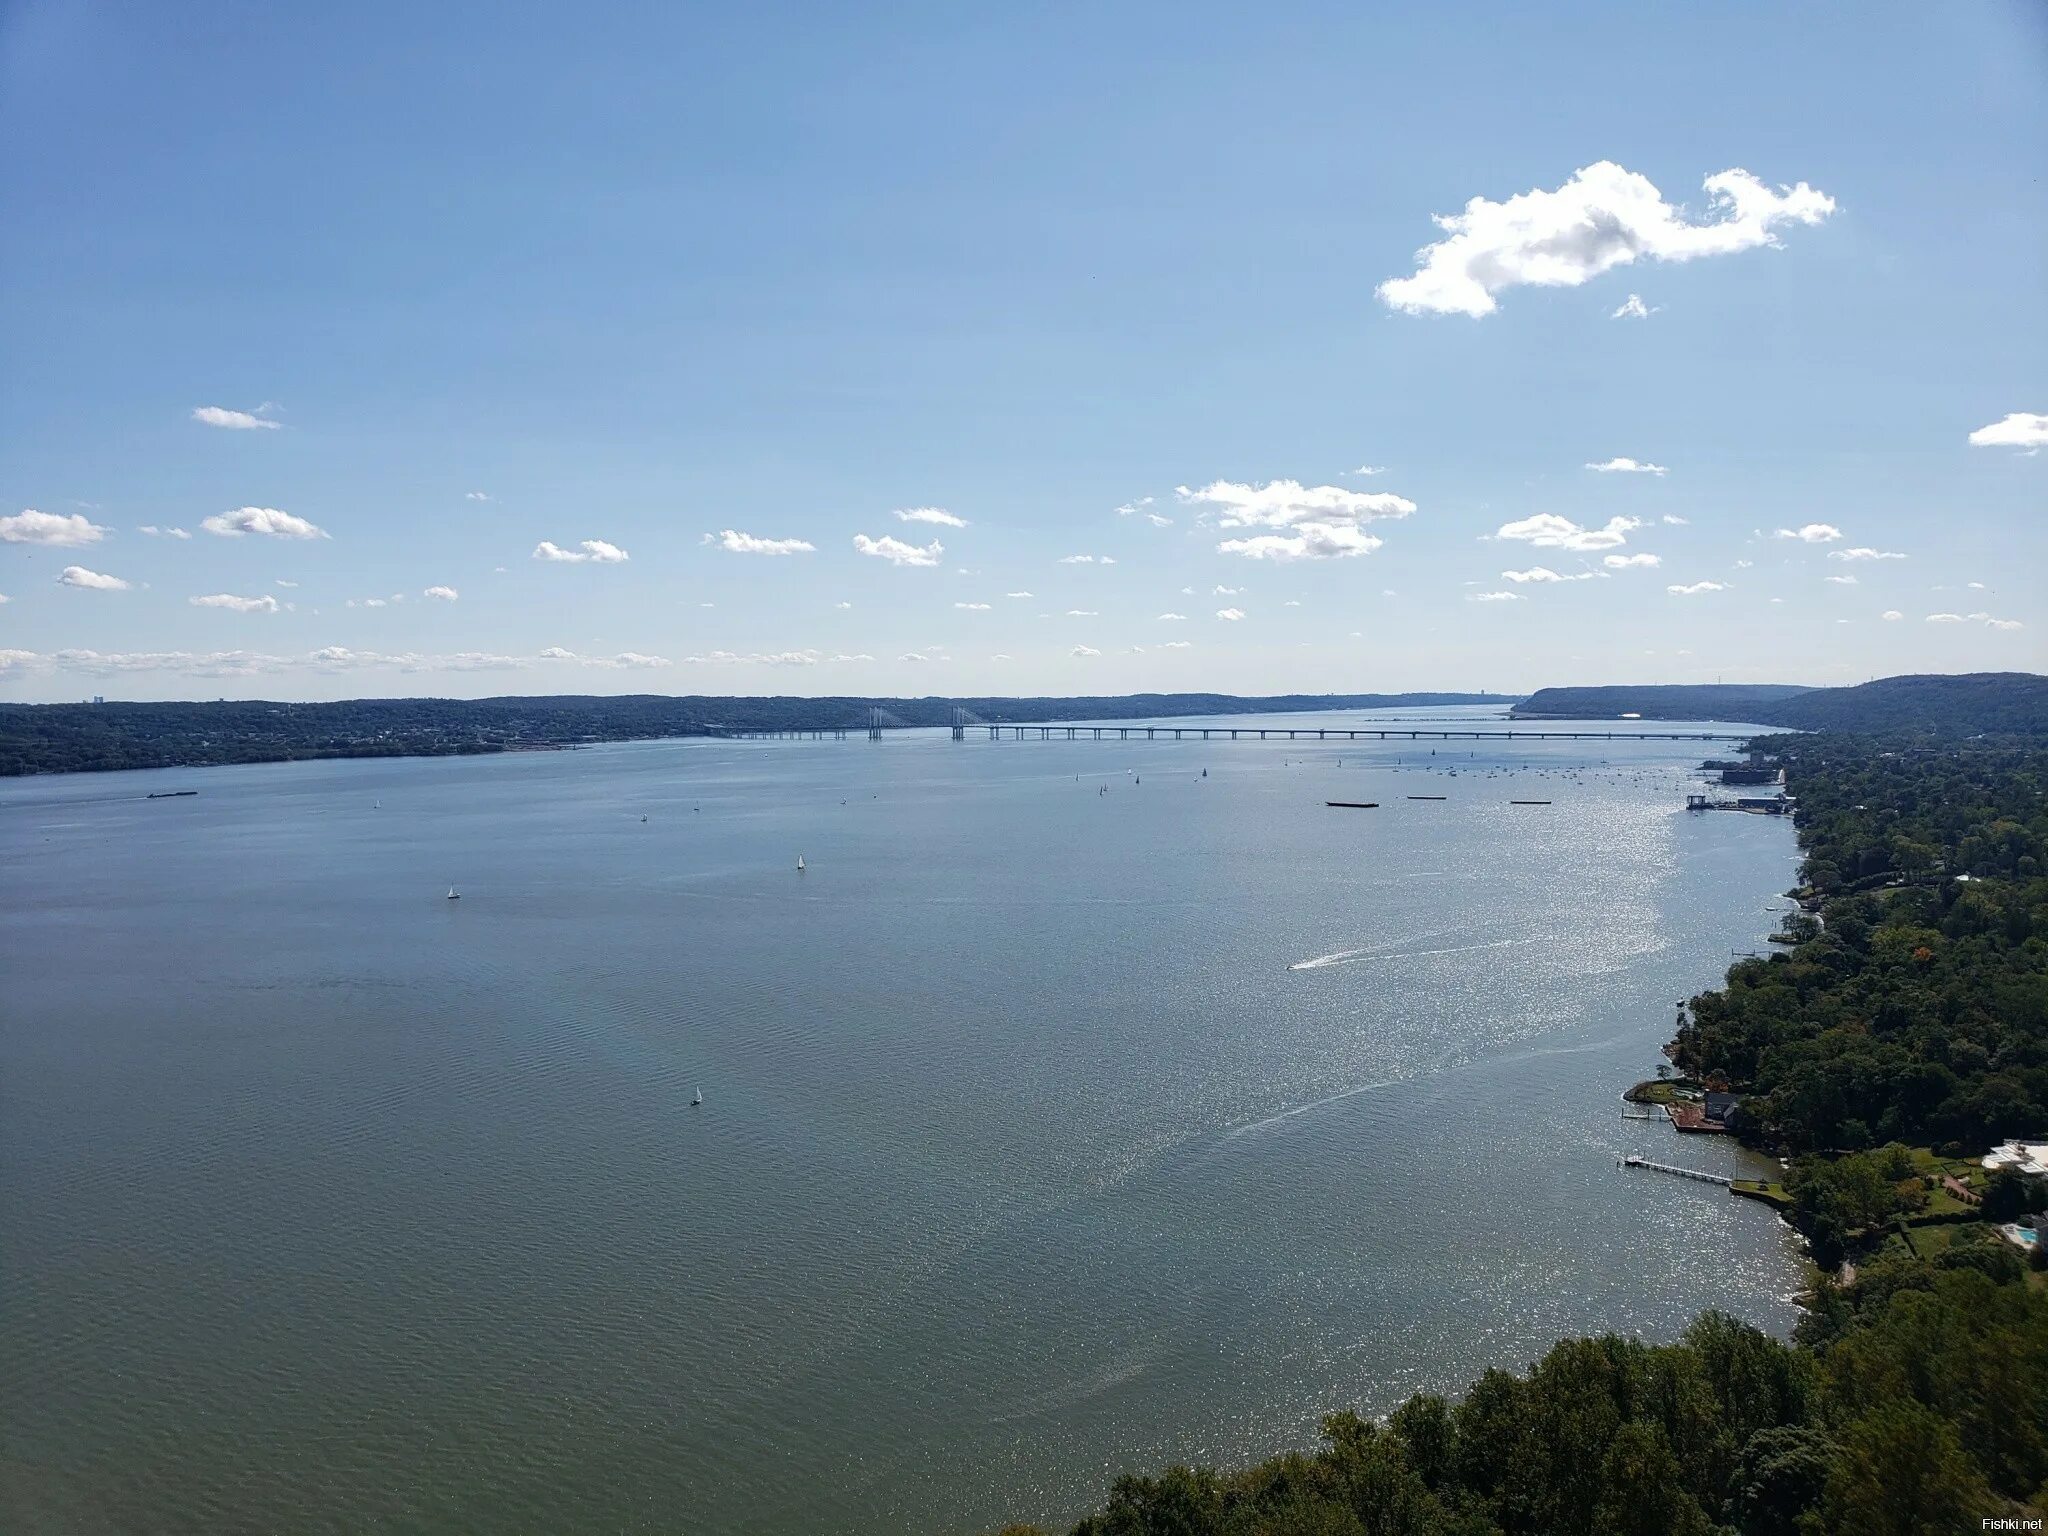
x=234, y=604
x=937, y=516
x=1604, y=217
x=1811, y=533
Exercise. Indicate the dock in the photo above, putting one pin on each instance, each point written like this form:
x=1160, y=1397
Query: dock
x=1632, y=1161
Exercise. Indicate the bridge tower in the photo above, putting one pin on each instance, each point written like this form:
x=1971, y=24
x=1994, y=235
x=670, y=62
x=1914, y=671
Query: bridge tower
x=959, y=723
x=875, y=723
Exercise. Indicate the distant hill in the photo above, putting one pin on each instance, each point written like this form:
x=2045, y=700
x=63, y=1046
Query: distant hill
x=68, y=738
x=1964, y=703
x=1941, y=704
x=1667, y=701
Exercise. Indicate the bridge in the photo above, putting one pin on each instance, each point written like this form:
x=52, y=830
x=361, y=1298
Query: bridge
x=1319, y=733
x=880, y=721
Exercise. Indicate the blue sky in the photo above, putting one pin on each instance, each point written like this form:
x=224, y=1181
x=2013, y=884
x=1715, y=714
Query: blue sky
x=458, y=284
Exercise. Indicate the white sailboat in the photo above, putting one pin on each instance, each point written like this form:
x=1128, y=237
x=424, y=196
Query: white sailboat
x=699, y=1099
x=453, y=894
x=799, y=863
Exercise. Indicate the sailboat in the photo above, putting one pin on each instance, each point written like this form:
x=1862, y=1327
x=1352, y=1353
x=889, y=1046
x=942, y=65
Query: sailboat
x=699, y=1099
x=453, y=894
x=799, y=863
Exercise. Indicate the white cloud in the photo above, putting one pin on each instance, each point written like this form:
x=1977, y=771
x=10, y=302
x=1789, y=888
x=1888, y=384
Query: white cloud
x=1129, y=508
x=2020, y=429
x=1696, y=587
x=264, y=520
x=475, y=496
x=29, y=526
x=1546, y=530
x=1313, y=541
x=1083, y=613
x=1863, y=553
x=1084, y=650
x=842, y=605
x=4, y=598
x=1177, y=645
x=896, y=552
x=623, y=660
x=916, y=656
x=1368, y=469
x=1016, y=594
x=973, y=607
x=1630, y=562
x=1087, y=560
x=1171, y=618
x=1619, y=466
x=587, y=552
x=79, y=576
x=1230, y=615
x=163, y=533
x=441, y=594
x=938, y=515
x=1811, y=533
x=1292, y=602
x=283, y=583
x=235, y=604
x=238, y=421
x=1675, y=520
x=1218, y=591
x=734, y=542
x=1604, y=217
x=1493, y=597
x=1322, y=522
x=1892, y=615
x=1542, y=573
x=803, y=658
x=1840, y=581
x=1974, y=618
x=1633, y=308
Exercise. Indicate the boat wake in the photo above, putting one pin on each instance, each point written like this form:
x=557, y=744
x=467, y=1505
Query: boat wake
x=1353, y=956
x=1301, y=1109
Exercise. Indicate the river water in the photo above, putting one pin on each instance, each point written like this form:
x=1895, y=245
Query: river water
x=1070, y=1113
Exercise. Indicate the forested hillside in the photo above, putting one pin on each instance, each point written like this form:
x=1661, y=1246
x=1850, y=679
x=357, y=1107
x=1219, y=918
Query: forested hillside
x=1933, y=704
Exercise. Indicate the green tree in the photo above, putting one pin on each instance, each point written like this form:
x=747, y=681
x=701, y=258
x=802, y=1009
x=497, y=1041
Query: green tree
x=1901, y=1472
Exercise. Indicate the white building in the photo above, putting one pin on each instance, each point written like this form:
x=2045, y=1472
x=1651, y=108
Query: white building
x=2028, y=1157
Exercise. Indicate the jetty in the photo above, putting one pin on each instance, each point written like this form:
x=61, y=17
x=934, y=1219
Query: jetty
x=1632, y=1161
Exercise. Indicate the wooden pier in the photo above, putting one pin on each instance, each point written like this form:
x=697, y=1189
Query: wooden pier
x=1632, y=1161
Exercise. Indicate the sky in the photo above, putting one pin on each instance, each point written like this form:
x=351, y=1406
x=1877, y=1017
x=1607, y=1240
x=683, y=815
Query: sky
x=934, y=349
